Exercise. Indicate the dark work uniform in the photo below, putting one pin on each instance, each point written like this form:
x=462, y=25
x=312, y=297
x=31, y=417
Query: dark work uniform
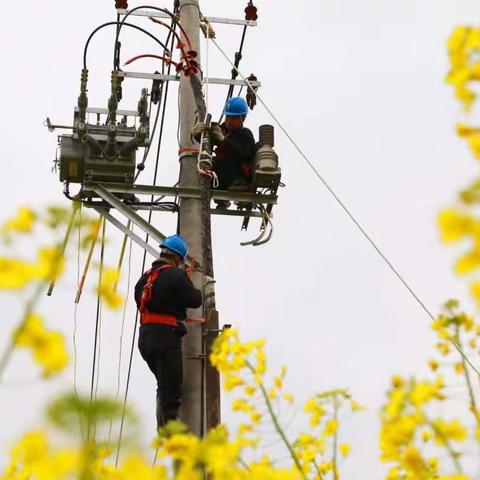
x=161, y=345
x=234, y=157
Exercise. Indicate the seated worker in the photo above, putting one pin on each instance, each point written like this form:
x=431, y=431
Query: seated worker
x=235, y=147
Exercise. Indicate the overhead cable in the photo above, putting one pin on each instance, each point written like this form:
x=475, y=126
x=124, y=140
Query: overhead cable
x=332, y=192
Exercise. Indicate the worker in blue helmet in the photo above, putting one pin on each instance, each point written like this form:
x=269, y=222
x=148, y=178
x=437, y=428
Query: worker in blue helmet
x=235, y=146
x=163, y=295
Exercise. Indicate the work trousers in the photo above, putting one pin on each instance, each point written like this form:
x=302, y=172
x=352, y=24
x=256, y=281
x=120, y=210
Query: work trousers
x=161, y=347
x=227, y=172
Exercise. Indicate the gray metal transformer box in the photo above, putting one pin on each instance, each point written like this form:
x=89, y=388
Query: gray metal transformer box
x=78, y=164
x=86, y=159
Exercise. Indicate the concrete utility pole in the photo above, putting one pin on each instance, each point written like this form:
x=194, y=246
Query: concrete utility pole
x=201, y=383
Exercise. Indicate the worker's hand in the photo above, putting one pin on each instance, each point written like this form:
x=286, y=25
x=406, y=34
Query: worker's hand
x=217, y=134
x=198, y=129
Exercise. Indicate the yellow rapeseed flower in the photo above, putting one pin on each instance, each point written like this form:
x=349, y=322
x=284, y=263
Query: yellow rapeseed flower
x=413, y=462
x=232, y=381
x=32, y=447
x=331, y=427
x=345, y=449
x=458, y=368
x=316, y=410
x=22, y=223
x=15, y=274
x=433, y=364
x=454, y=225
x=288, y=397
x=424, y=392
x=107, y=290
x=468, y=262
x=475, y=290
x=50, y=263
x=48, y=347
x=449, y=430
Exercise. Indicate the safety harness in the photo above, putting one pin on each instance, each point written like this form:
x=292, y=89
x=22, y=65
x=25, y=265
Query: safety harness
x=150, y=317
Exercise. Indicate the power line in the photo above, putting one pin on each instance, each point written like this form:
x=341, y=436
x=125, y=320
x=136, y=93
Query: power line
x=344, y=207
x=97, y=324
x=143, y=269
x=120, y=349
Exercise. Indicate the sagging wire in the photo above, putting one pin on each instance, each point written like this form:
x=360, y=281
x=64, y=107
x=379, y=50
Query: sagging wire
x=187, y=62
x=75, y=305
x=163, y=98
x=97, y=324
x=120, y=342
x=344, y=207
x=100, y=306
x=107, y=24
x=135, y=326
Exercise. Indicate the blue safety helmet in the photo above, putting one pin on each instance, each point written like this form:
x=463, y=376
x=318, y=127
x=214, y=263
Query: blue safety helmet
x=235, y=107
x=176, y=244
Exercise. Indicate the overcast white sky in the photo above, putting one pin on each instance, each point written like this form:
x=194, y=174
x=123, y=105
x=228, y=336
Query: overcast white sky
x=359, y=85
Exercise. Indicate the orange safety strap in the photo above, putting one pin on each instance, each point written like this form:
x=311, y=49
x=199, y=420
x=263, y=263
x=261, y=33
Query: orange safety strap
x=188, y=150
x=152, y=275
x=195, y=320
x=163, y=318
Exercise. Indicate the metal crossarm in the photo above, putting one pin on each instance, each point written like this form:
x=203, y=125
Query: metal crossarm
x=157, y=14
x=127, y=211
x=180, y=192
x=176, y=78
x=134, y=217
x=127, y=232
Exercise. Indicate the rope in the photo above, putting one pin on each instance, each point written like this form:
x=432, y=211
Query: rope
x=347, y=210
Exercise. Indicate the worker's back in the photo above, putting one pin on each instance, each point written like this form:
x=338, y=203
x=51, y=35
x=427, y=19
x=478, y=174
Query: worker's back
x=172, y=291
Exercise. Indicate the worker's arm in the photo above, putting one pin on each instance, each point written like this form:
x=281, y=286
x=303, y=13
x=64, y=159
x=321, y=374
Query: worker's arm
x=189, y=296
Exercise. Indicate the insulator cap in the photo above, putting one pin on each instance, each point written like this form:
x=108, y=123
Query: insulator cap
x=251, y=12
x=266, y=135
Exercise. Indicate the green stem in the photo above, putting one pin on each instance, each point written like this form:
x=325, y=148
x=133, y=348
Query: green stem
x=335, y=440
x=317, y=469
x=278, y=428
x=7, y=354
x=5, y=358
x=468, y=381
x=453, y=455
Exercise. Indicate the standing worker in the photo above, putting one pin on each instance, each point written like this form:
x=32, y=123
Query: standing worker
x=235, y=146
x=163, y=294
